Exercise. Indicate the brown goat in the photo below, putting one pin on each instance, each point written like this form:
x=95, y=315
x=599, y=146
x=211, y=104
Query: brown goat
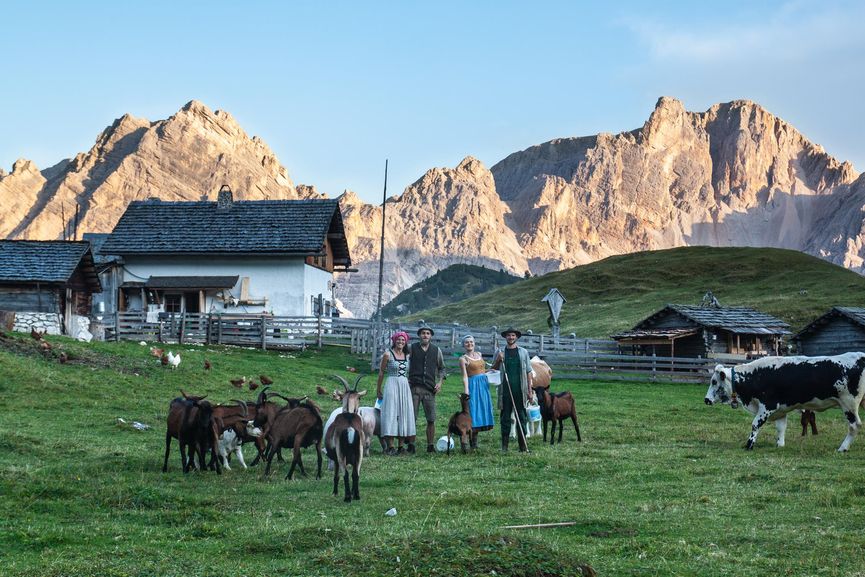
x=461, y=424
x=557, y=407
x=190, y=421
x=344, y=440
x=298, y=428
x=808, y=418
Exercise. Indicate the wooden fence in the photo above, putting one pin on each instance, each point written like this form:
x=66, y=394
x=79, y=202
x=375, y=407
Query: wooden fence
x=570, y=357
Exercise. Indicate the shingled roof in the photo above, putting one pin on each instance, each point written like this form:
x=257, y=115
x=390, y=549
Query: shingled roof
x=855, y=314
x=297, y=227
x=741, y=320
x=46, y=261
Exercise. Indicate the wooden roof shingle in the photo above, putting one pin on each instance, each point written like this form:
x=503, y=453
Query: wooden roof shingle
x=298, y=227
x=741, y=320
x=46, y=261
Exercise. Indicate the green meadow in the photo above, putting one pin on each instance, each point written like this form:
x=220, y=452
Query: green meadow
x=660, y=484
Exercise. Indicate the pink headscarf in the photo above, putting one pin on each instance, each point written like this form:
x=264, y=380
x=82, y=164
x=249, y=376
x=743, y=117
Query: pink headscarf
x=398, y=334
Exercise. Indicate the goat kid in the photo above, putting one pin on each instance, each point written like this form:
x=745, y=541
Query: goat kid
x=231, y=441
x=461, y=424
x=557, y=407
x=345, y=439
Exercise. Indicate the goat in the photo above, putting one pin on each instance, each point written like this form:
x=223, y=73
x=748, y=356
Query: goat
x=298, y=427
x=808, y=418
x=190, y=421
x=265, y=413
x=371, y=427
x=232, y=440
x=461, y=424
x=344, y=440
x=556, y=408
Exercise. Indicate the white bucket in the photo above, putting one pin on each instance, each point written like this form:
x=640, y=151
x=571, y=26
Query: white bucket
x=442, y=444
x=494, y=377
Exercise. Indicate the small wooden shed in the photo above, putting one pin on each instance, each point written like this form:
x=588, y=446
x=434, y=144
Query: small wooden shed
x=841, y=330
x=44, y=280
x=705, y=331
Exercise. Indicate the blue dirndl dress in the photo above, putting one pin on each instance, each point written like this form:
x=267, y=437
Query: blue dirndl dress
x=480, y=402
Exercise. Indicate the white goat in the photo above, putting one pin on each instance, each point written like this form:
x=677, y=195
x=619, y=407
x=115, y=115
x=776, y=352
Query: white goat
x=230, y=442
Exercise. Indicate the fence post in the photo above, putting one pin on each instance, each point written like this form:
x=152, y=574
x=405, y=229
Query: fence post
x=263, y=333
x=219, y=330
x=182, y=329
x=541, y=345
x=159, y=330
x=319, y=331
x=209, y=323
x=117, y=326
x=654, y=368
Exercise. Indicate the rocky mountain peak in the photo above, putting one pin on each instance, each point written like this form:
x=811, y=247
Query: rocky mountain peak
x=24, y=166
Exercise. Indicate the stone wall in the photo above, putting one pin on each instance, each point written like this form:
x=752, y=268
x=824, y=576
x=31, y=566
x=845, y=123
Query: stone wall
x=51, y=323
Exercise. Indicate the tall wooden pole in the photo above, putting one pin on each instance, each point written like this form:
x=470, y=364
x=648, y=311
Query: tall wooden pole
x=377, y=317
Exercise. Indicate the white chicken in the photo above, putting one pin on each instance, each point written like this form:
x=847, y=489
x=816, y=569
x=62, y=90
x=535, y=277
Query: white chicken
x=173, y=360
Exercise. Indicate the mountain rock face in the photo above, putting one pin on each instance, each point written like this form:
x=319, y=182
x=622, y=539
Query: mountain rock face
x=185, y=157
x=734, y=175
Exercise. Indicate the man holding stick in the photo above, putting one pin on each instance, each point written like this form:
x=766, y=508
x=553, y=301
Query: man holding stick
x=516, y=388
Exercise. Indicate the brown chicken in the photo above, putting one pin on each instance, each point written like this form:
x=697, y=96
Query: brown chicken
x=157, y=352
x=164, y=360
x=36, y=334
x=253, y=385
x=265, y=380
x=207, y=365
x=238, y=382
x=46, y=346
x=63, y=357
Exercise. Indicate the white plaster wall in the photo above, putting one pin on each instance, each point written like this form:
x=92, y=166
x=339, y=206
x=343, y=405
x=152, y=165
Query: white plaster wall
x=315, y=284
x=285, y=282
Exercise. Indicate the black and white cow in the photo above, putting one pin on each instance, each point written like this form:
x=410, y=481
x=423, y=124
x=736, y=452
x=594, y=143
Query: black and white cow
x=772, y=386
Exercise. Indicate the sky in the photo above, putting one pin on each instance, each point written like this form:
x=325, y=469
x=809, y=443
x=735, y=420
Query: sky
x=335, y=88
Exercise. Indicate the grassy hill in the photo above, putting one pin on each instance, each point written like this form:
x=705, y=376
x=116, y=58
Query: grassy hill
x=453, y=284
x=82, y=493
x=616, y=293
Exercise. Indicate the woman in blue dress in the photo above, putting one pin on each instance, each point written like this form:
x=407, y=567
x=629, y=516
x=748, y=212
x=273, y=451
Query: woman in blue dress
x=477, y=387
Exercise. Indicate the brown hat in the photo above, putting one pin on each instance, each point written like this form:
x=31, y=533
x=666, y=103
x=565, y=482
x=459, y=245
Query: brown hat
x=511, y=330
x=425, y=328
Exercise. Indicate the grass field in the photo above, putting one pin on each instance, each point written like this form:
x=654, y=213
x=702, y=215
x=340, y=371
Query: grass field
x=659, y=486
x=614, y=294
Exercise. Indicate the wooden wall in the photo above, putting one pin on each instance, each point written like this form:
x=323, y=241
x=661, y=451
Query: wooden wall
x=839, y=335
x=24, y=298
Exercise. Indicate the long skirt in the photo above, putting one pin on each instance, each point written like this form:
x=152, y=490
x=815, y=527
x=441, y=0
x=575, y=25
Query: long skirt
x=397, y=412
x=480, y=403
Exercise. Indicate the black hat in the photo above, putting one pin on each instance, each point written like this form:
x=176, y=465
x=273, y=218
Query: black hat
x=511, y=330
x=425, y=327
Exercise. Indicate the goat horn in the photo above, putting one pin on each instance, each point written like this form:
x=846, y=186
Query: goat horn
x=343, y=381
x=243, y=405
x=357, y=381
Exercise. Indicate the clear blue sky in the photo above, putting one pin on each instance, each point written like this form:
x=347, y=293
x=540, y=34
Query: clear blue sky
x=336, y=87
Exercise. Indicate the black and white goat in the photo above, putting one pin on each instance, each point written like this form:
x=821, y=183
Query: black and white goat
x=344, y=440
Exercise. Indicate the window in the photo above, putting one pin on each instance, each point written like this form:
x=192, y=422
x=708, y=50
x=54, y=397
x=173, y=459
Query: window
x=173, y=303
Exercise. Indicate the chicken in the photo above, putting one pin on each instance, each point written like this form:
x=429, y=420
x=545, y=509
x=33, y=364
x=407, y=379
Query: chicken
x=265, y=380
x=63, y=357
x=238, y=382
x=156, y=352
x=351, y=369
x=207, y=365
x=173, y=360
x=253, y=385
x=46, y=346
x=36, y=335
x=164, y=360
x=321, y=390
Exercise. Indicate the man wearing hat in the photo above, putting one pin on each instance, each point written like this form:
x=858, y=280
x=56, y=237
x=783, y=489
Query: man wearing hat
x=516, y=373
x=426, y=369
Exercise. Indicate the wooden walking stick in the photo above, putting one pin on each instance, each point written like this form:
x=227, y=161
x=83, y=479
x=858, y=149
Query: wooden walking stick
x=514, y=409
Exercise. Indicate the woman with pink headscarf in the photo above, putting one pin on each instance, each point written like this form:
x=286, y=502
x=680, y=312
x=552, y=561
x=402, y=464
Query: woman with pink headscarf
x=397, y=412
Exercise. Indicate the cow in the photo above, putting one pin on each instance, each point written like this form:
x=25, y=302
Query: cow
x=773, y=386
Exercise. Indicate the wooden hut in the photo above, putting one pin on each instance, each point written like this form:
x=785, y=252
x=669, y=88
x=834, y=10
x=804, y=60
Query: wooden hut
x=841, y=330
x=705, y=331
x=48, y=285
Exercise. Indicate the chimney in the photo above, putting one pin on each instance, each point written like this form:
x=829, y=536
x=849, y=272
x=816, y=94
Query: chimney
x=224, y=198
